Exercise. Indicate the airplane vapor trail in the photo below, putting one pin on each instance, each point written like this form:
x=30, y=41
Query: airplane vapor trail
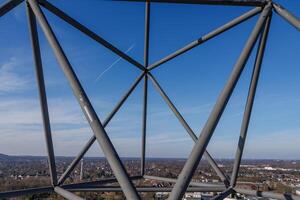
x=113, y=64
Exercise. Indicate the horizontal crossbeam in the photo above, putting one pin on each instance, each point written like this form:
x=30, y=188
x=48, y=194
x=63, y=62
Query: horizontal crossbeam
x=96, y=183
x=272, y=195
x=49, y=189
x=210, y=2
x=23, y=192
x=8, y=6
x=196, y=184
x=145, y=189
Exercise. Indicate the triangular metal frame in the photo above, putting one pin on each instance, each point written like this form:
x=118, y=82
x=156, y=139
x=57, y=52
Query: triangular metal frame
x=265, y=7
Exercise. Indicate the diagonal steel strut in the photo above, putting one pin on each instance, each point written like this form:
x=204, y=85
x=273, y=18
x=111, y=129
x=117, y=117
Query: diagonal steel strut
x=286, y=15
x=191, y=164
x=250, y=101
x=210, y=160
x=8, y=6
x=181, y=186
x=87, y=146
x=89, y=33
x=207, y=37
x=97, y=127
x=42, y=93
x=66, y=194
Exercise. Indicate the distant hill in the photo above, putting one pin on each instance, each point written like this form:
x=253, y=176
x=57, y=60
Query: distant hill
x=19, y=157
x=4, y=157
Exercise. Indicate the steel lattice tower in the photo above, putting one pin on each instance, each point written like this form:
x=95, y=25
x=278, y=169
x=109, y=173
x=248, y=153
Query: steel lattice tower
x=263, y=8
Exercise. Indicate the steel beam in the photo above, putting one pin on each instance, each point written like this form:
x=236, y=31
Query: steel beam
x=8, y=6
x=24, y=192
x=191, y=164
x=272, y=195
x=90, y=114
x=89, y=33
x=250, y=101
x=147, y=33
x=97, y=183
x=220, y=186
x=223, y=194
x=208, y=36
x=210, y=160
x=144, y=125
x=285, y=14
x=145, y=100
x=91, y=141
x=145, y=189
x=209, y=2
x=42, y=93
x=66, y=194
x=97, y=186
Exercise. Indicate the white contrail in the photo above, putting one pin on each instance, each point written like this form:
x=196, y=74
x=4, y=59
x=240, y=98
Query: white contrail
x=113, y=64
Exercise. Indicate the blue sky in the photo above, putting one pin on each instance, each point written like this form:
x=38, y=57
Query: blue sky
x=193, y=81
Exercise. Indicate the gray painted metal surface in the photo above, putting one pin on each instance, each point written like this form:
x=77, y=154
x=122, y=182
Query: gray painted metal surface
x=223, y=194
x=184, y=183
x=207, y=37
x=144, y=125
x=42, y=93
x=191, y=164
x=272, y=195
x=219, y=185
x=145, y=100
x=97, y=183
x=8, y=6
x=146, y=189
x=90, y=114
x=250, y=101
x=66, y=194
x=24, y=192
x=88, y=145
x=89, y=33
x=210, y=160
x=210, y=2
x=289, y=17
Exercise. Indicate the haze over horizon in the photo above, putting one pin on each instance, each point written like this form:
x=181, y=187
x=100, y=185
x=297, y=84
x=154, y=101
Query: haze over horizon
x=149, y=158
x=193, y=82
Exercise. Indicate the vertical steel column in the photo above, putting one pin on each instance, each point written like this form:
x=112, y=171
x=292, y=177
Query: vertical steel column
x=144, y=125
x=210, y=160
x=145, y=100
x=289, y=17
x=250, y=101
x=191, y=164
x=42, y=93
x=100, y=133
x=147, y=33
